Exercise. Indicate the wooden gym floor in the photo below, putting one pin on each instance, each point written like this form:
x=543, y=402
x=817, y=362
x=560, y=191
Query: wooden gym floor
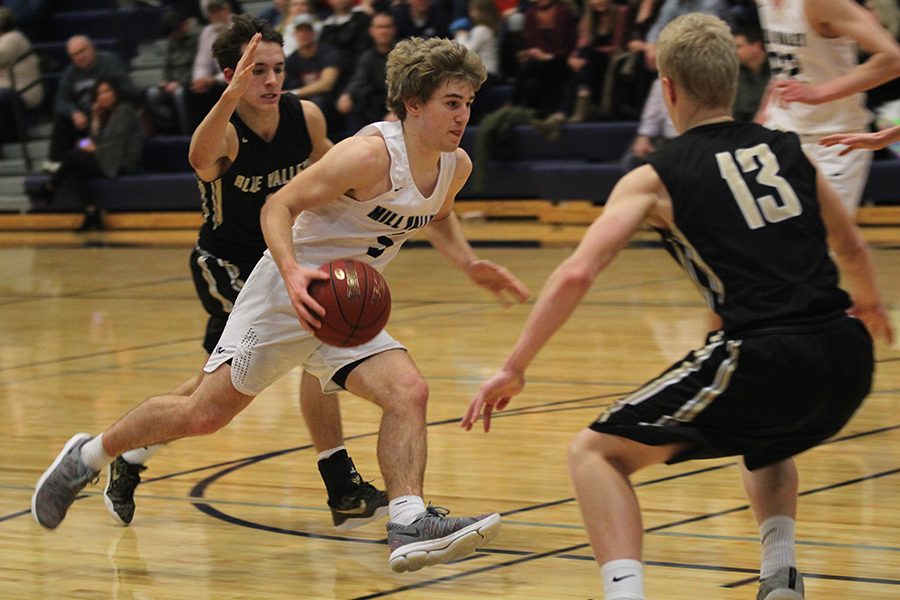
x=93, y=324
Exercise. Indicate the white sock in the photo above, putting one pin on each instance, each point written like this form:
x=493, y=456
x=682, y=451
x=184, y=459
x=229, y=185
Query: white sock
x=623, y=579
x=140, y=456
x=93, y=454
x=330, y=452
x=777, y=536
x=405, y=509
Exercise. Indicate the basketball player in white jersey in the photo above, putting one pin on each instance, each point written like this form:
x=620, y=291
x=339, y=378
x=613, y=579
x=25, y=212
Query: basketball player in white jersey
x=262, y=136
x=818, y=83
x=361, y=200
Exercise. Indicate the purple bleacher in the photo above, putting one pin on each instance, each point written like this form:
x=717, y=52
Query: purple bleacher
x=74, y=5
x=883, y=186
x=582, y=165
x=167, y=154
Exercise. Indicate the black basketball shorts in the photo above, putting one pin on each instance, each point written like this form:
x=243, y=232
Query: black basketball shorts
x=766, y=396
x=218, y=283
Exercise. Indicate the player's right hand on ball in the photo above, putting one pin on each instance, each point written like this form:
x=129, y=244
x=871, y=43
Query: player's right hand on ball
x=308, y=311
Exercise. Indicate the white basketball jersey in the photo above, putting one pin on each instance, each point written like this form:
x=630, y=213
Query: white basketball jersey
x=372, y=231
x=796, y=51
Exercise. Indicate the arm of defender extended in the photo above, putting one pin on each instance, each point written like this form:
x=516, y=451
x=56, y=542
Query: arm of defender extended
x=631, y=202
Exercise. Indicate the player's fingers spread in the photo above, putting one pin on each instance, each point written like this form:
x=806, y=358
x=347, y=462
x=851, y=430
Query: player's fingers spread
x=472, y=413
x=501, y=404
x=488, y=409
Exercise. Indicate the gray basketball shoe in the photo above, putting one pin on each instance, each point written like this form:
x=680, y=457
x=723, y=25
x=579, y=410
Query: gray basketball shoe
x=434, y=538
x=60, y=484
x=785, y=584
x=121, y=480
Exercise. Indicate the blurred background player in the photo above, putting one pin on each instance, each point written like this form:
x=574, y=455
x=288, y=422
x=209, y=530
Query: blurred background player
x=818, y=83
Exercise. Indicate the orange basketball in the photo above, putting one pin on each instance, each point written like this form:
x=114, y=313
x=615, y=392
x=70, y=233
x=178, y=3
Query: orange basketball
x=356, y=300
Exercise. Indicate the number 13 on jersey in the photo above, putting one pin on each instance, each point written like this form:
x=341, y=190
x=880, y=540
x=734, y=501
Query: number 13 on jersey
x=765, y=209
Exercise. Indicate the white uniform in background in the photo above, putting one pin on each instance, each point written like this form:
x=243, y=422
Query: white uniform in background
x=796, y=51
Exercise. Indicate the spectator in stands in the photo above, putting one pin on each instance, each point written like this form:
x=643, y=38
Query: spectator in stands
x=601, y=34
x=312, y=72
x=207, y=81
x=480, y=33
x=754, y=74
x=421, y=18
x=675, y=8
x=112, y=146
x=656, y=128
x=274, y=12
x=548, y=40
x=72, y=106
x=203, y=9
x=346, y=29
x=23, y=73
x=365, y=97
x=166, y=102
x=294, y=9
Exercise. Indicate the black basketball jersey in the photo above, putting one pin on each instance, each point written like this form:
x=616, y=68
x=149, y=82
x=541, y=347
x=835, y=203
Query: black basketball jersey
x=748, y=228
x=231, y=204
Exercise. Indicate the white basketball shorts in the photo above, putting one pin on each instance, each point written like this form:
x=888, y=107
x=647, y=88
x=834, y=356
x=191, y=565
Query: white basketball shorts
x=847, y=174
x=263, y=338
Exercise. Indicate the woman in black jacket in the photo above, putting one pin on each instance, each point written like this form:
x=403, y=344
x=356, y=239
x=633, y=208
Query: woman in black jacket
x=113, y=146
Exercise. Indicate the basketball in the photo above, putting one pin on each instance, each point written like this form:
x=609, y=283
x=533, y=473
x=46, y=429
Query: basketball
x=356, y=300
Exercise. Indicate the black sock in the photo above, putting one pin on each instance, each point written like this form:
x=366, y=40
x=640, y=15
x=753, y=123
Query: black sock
x=339, y=474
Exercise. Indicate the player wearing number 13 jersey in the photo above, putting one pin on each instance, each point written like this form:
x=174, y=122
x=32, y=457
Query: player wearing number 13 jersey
x=746, y=215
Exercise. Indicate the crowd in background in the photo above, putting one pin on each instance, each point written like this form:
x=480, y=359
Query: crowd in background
x=564, y=61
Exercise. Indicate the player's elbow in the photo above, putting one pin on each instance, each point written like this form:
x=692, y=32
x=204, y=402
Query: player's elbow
x=576, y=277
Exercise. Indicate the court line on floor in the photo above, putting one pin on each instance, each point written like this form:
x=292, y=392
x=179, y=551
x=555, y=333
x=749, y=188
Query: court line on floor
x=561, y=553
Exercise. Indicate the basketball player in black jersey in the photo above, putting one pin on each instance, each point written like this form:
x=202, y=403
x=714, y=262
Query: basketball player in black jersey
x=747, y=215
x=253, y=141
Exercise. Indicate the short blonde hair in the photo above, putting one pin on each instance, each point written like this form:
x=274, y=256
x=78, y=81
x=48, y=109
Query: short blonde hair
x=416, y=67
x=698, y=52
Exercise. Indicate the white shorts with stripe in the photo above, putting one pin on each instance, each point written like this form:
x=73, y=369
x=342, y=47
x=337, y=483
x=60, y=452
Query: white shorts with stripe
x=263, y=338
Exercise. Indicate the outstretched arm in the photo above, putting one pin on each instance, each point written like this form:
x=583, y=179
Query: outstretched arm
x=866, y=141
x=446, y=235
x=630, y=203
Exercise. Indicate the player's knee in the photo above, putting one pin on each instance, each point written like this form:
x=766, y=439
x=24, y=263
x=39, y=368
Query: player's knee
x=207, y=422
x=410, y=394
x=581, y=446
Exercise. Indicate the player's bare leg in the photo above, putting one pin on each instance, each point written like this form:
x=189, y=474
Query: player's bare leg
x=352, y=500
x=160, y=419
x=417, y=536
x=600, y=466
x=772, y=492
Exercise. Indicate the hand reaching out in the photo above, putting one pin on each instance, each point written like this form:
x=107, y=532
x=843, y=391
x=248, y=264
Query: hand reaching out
x=866, y=141
x=494, y=394
x=499, y=281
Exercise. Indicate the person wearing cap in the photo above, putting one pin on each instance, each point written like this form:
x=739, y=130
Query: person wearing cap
x=313, y=70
